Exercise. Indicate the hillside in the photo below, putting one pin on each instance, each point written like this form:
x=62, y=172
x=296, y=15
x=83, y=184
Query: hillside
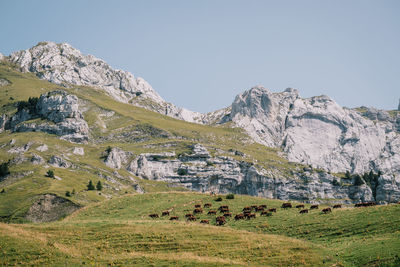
x=120, y=232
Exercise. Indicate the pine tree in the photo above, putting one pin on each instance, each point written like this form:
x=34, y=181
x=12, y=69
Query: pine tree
x=99, y=186
x=68, y=194
x=50, y=173
x=90, y=185
x=4, y=169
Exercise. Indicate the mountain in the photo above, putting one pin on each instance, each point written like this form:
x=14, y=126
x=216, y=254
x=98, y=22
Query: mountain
x=75, y=115
x=64, y=65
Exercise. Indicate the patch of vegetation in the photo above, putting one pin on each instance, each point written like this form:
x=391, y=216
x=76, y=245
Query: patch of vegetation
x=4, y=169
x=230, y=196
x=30, y=105
x=90, y=186
x=50, y=173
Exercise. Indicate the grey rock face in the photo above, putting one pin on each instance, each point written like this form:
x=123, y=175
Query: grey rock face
x=318, y=131
x=116, y=158
x=36, y=159
x=79, y=151
x=220, y=174
x=59, y=162
x=4, y=82
x=42, y=148
x=62, y=64
x=61, y=110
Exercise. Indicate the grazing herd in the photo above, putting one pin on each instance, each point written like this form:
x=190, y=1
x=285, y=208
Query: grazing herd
x=248, y=212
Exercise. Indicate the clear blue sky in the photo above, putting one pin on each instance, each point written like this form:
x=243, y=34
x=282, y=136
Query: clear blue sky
x=201, y=54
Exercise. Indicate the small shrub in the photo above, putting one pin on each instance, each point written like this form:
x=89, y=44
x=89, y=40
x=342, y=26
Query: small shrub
x=218, y=199
x=67, y=194
x=335, y=182
x=358, y=180
x=209, y=163
x=230, y=196
x=182, y=171
x=50, y=173
x=99, y=186
x=90, y=186
x=4, y=170
x=347, y=175
x=3, y=191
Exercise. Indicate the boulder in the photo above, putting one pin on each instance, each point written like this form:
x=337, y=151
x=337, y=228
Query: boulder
x=59, y=162
x=116, y=158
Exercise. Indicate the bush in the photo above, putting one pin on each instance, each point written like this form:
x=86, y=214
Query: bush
x=347, y=175
x=4, y=170
x=182, y=171
x=218, y=199
x=50, y=173
x=3, y=191
x=230, y=196
x=67, y=194
x=358, y=180
x=99, y=186
x=30, y=105
x=90, y=185
x=335, y=182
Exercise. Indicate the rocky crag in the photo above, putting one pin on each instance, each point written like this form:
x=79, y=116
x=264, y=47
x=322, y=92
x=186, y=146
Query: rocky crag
x=56, y=112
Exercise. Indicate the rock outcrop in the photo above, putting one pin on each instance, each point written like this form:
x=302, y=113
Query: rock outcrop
x=319, y=132
x=56, y=112
x=116, y=158
x=220, y=174
x=64, y=65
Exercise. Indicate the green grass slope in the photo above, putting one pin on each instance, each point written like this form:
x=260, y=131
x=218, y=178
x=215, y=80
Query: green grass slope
x=120, y=232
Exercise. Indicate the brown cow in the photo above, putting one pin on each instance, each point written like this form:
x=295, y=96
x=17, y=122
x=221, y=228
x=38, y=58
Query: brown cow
x=239, y=216
x=197, y=206
x=165, y=213
x=207, y=205
x=253, y=207
x=228, y=214
x=259, y=208
x=189, y=215
x=303, y=211
x=252, y=215
x=286, y=205
x=272, y=210
x=266, y=213
x=220, y=220
x=224, y=207
x=224, y=210
x=263, y=205
x=153, y=215
x=337, y=206
x=205, y=221
x=174, y=218
x=301, y=206
x=212, y=212
x=246, y=209
x=326, y=210
x=198, y=210
x=314, y=207
x=191, y=219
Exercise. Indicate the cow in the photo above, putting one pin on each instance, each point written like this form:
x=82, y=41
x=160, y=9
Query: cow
x=301, y=206
x=252, y=215
x=303, y=211
x=272, y=210
x=239, y=216
x=207, y=205
x=246, y=209
x=228, y=214
x=205, y=221
x=259, y=208
x=358, y=205
x=253, y=207
x=220, y=220
x=212, y=212
x=188, y=215
x=263, y=205
x=191, y=219
x=326, y=210
x=165, y=213
x=266, y=213
x=224, y=207
x=174, y=218
x=153, y=216
x=197, y=206
x=198, y=210
x=224, y=210
x=314, y=207
x=337, y=206
x=286, y=205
